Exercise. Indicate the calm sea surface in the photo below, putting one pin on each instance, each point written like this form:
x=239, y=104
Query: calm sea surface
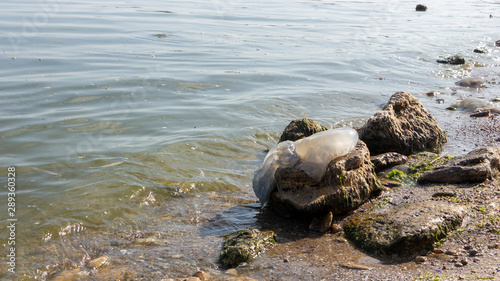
x=132, y=123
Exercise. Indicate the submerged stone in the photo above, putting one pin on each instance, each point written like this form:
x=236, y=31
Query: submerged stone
x=471, y=82
x=244, y=245
x=421, y=8
x=456, y=59
x=472, y=104
x=405, y=229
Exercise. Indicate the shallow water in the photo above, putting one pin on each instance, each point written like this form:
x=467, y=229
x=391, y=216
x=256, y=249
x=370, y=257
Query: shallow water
x=142, y=120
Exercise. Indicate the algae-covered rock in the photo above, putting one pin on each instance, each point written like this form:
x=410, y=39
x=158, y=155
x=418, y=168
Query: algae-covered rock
x=301, y=128
x=244, y=245
x=476, y=166
x=403, y=126
x=456, y=59
x=311, y=155
x=405, y=229
x=348, y=182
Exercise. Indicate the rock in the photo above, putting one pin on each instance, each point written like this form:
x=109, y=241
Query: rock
x=481, y=114
x=472, y=104
x=497, y=43
x=98, y=262
x=69, y=275
x=202, y=275
x=479, y=51
x=420, y=259
x=456, y=59
x=421, y=8
x=311, y=155
x=408, y=228
x=301, y=128
x=444, y=194
x=322, y=224
x=387, y=160
x=476, y=166
x=336, y=228
x=244, y=245
x=403, y=126
x=232, y=272
x=348, y=182
x=438, y=251
x=471, y=82
x=356, y=266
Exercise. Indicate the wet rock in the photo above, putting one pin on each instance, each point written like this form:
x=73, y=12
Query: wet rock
x=387, y=160
x=476, y=166
x=322, y=223
x=408, y=228
x=473, y=104
x=348, y=182
x=98, y=262
x=481, y=114
x=244, y=245
x=497, y=43
x=471, y=82
x=479, y=51
x=421, y=8
x=403, y=126
x=456, y=59
x=301, y=128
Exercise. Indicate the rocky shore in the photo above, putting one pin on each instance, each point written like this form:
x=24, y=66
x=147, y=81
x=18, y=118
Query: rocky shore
x=439, y=220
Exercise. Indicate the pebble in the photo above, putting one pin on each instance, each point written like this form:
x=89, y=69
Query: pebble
x=202, y=275
x=493, y=246
x=336, y=228
x=464, y=261
x=451, y=252
x=421, y=8
x=438, y=251
x=458, y=264
x=420, y=259
x=98, y=262
x=355, y=266
x=232, y=272
x=473, y=252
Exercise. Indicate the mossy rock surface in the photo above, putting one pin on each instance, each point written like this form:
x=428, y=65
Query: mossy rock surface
x=301, y=128
x=244, y=245
x=405, y=229
x=348, y=182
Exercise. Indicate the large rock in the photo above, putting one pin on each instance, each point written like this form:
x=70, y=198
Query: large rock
x=403, y=126
x=301, y=128
x=348, y=182
x=244, y=245
x=405, y=229
x=476, y=166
